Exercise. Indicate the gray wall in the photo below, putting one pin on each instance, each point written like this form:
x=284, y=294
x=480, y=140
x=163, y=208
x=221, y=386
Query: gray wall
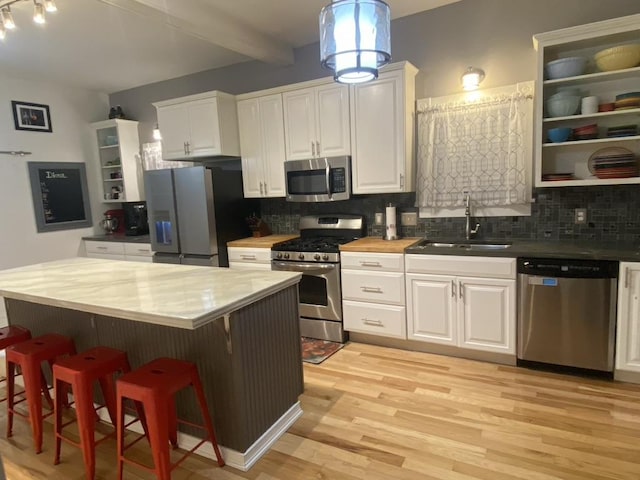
x=494, y=35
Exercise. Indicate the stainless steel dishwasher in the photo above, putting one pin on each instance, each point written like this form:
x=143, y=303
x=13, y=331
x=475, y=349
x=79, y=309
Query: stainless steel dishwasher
x=567, y=312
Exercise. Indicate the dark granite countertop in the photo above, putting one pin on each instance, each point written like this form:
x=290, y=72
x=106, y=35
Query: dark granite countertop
x=119, y=238
x=542, y=249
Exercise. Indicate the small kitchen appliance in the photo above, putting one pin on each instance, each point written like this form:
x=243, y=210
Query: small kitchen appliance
x=318, y=179
x=113, y=221
x=135, y=218
x=317, y=255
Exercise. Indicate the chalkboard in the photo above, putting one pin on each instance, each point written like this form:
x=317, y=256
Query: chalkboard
x=60, y=195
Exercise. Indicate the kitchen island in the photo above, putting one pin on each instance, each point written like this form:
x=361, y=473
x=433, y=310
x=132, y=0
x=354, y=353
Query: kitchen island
x=239, y=327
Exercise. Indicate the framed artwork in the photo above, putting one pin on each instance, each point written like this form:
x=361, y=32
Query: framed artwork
x=60, y=195
x=34, y=117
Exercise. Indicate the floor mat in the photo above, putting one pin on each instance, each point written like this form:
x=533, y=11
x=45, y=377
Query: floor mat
x=317, y=351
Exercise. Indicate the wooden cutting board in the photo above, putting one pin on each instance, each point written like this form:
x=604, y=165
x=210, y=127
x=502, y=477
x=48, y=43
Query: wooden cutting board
x=261, y=242
x=378, y=245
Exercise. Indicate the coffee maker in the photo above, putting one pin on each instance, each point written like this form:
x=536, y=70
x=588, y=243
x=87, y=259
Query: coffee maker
x=135, y=218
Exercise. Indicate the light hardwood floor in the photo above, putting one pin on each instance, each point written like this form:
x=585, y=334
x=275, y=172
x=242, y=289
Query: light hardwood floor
x=378, y=413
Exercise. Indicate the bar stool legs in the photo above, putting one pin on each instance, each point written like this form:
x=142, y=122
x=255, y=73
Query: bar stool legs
x=81, y=372
x=29, y=355
x=154, y=386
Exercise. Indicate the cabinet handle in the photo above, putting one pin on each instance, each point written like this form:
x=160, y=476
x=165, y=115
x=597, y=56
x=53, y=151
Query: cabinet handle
x=248, y=257
x=460, y=289
x=375, y=323
x=265, y=188
x=101, y=248
x=143, y=250
x=453, y=289
x=627, y=277
x=318, y=148
x=261, y=189
x=371, y=289
x=401, y=181
x=370, y=264
x=184, y=146
x=313, y=149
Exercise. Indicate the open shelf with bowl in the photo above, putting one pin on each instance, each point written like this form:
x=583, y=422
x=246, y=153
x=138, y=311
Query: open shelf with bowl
x=564, y=161
x=117, y=150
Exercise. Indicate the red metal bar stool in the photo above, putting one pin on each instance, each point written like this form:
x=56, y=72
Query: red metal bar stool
x=80, y=372
x=29, y=355
x=10, y=336
x=154, y=386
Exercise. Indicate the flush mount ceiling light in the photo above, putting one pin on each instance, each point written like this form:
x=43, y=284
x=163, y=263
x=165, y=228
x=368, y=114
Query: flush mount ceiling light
x=39, y=8
x=472, y=78
x=355, y=39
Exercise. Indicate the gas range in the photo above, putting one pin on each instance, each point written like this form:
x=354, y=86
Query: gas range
x=316, y=255
x=320, y=238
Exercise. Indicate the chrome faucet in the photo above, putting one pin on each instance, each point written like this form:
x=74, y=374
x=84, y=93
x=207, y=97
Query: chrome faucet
x=467, y=213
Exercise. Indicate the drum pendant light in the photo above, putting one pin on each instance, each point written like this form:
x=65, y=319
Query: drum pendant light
x=355, y=39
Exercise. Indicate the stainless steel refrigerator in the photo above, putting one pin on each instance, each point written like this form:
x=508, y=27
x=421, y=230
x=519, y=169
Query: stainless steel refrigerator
x=194, y=211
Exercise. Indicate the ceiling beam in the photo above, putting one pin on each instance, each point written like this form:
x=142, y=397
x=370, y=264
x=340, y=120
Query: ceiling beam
x=204, y=21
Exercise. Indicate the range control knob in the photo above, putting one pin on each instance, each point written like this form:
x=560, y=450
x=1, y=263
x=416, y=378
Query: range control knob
x=316, y=257
x=325, y=257
x=279, y=255
x=286, y=256
x=301, y=256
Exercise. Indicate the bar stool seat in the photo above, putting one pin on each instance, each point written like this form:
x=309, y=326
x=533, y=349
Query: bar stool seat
x=80, y=372
x=10, y=336
x=154, y=386
x=29, y=356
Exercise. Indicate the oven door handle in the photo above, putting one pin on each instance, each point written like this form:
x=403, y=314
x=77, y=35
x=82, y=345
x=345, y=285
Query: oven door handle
x=298, y=267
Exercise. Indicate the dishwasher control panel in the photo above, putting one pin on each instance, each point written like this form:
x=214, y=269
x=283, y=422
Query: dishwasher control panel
x=567, y=268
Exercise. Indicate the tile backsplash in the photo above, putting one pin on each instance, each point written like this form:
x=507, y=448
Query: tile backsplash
x=613, y=214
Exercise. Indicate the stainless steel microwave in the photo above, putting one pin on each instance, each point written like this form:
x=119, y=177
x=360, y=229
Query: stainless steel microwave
x=318, y=179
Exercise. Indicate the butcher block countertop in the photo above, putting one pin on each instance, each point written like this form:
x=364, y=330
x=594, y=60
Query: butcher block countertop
x=261, y=242
x=378, y=245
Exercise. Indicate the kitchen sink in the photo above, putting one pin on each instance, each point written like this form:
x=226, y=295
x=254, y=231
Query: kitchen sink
x=465, y=245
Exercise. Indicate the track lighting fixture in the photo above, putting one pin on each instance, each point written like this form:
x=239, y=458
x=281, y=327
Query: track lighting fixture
x=39, y=9
x=7, y=18
x=38, y=12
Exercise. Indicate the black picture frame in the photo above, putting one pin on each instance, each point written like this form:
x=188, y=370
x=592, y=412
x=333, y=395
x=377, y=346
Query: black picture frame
x=33, y=117
x=60, y=195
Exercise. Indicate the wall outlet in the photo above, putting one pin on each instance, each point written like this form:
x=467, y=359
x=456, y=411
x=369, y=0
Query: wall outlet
x=580, y=216
x=409, y=219
x=379, y=218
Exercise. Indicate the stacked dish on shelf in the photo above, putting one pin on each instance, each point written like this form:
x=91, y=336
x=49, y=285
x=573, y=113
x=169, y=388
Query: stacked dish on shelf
x=628, y=100
x=613, y=162
x=622, y=131
x=557, y=177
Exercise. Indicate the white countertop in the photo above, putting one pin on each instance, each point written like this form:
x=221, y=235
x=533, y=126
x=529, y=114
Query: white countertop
x=180, y=296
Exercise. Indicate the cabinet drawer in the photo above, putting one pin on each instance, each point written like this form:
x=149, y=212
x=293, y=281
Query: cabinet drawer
x=385, y=320
x=379, y=287
x=108, y=248
x=249, y=266
x=249, y=255
x=139, y=258
x=390, y=262
x=138, y=249
x=493, y=267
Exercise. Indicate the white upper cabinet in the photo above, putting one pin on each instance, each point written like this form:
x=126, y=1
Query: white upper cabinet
x=316, y=122
x=575, y=157
x=202, y=125
x=261, y=126
x=117, y=147
x=382, y=132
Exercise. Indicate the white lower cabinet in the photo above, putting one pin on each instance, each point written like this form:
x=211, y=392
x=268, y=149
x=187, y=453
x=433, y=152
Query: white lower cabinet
x=628, y=336
x=462, y=309
x=373, y=294
x=249, y=258
x=133, y=252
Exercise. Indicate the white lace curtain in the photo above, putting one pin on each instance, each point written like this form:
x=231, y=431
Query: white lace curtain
x=479, y=147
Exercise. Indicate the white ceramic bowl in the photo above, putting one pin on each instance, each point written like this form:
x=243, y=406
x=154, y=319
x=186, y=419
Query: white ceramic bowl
x=563, y=106
x=565, y=67
x=617, y=58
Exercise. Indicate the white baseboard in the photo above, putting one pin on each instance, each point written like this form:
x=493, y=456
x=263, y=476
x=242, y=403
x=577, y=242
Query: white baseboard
x=240, y=460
